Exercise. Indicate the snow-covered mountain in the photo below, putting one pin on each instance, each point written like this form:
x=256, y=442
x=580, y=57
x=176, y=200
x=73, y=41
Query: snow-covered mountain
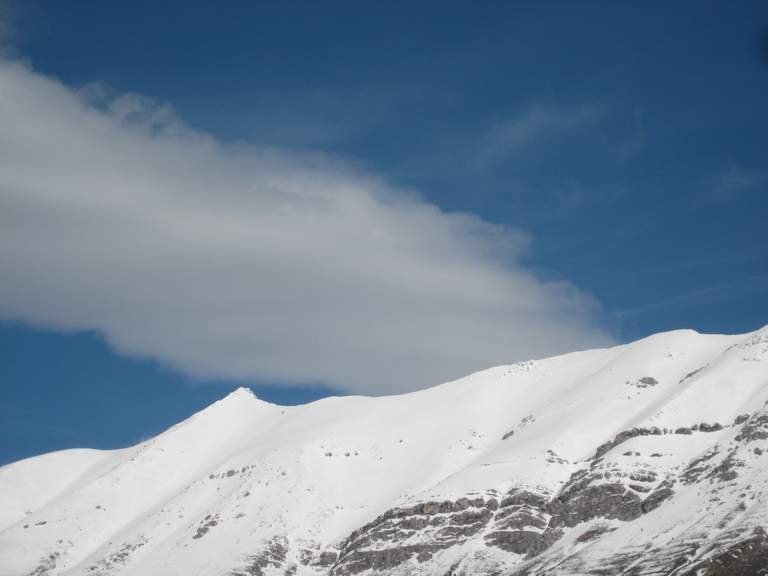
x=647, y=458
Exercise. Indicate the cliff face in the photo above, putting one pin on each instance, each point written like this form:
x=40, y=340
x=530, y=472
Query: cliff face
x=645, y=459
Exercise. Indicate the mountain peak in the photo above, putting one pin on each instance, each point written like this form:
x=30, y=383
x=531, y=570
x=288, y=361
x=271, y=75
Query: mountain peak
x=242, y=396
x=242, y=392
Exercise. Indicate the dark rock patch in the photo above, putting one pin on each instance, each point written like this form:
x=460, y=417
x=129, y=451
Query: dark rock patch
x=517, y=497
x=584, y=501
x=385, y=559
x=654, y=500
x=705, y=427
x=748, y=557
x=726, y=470
x=114, y=561
x=273, y=556
x=208, y=522
x=594, y=533
x=524, y=542
x=643, y=476
x=644, y=382
x=381, y=544
x=46, y=565
x=697, y=467
x=755, y=429
x=325, y=559
x=623, y=437
x=691, y=374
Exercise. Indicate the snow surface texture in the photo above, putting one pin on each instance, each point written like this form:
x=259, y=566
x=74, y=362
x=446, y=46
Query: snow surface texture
x=646, y=458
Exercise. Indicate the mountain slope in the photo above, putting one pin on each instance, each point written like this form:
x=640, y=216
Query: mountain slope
x=646, y=458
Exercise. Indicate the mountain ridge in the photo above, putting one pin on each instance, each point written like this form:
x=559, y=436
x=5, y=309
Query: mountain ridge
x=594, y=462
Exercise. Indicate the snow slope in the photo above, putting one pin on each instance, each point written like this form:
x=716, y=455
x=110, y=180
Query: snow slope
x=646, y=458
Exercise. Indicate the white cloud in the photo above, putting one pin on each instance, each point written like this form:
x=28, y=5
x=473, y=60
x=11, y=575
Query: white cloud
x=233, y=262
x=531, y=127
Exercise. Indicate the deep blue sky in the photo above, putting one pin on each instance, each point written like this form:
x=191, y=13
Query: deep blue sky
x=646, y=184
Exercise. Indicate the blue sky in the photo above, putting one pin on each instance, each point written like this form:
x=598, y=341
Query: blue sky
x=617, y=147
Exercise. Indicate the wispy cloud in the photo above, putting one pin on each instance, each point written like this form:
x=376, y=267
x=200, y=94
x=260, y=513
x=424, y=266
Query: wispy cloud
x=533, y=126
x=735, y=181
x=696, y=297
x=256, y=264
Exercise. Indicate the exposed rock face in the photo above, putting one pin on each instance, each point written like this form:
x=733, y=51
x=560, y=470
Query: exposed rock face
x=398, y=535
x=113, y=562
x=273, y=555
x=705, y=427
x=755, y=429
x=699, y=465
x=521, y=524
x=740, y=419
x=47, y=564
x=745, y=557
x=525, y=523
x=208, y=522
x=586, y=497
x=624, y=436
x=593, y=504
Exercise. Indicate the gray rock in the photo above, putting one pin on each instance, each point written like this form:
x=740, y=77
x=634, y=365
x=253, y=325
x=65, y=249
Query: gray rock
x=273, y=555
x=623, y=437
x=755, y=429
x=741, y=419
x=748, y=557
x=704, y=427
x=385, y=542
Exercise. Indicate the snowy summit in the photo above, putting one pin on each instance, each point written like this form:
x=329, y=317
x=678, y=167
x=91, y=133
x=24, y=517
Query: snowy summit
x=646, y=458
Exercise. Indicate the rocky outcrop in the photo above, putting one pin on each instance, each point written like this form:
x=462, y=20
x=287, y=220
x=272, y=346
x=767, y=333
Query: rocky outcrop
x=210, y=521
x=725, y=471
x=47, y=564
x=756, y=428
x=413, y=533
x=644, y=382
x=525, y=523
x=655, y=498
x=521, y=525
x=586, y=497
x=623, y=437
x=745, y=557
x=530, y=524
x=714, y=427
x=272, y=556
